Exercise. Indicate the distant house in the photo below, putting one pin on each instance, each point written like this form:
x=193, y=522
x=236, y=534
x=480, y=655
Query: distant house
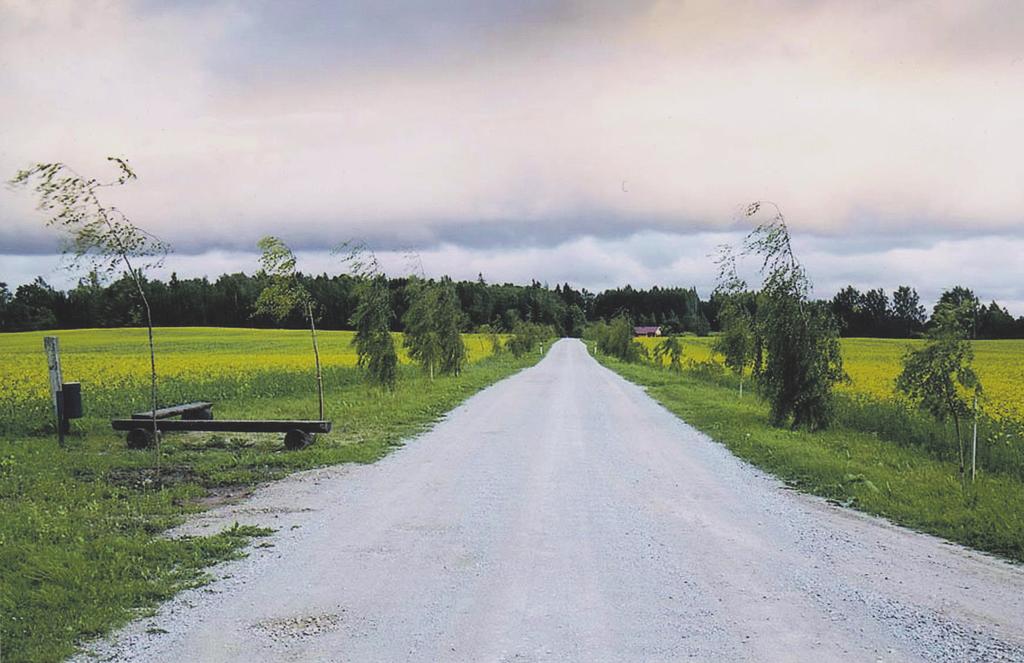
x=647, y=331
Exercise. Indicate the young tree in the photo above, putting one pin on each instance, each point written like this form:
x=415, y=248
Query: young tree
x=938, y=377
x=99, y=235
x=493, y=337
x=372, y=317
x=433, y=325
x=799, y=360
x=616, y=339
x=448, y=320
x=736, y=342
x=526, y=336
x=672, y=350
x=421, y=334
x=286, y=294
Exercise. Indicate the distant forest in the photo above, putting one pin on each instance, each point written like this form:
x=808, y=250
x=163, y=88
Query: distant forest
x=229, y=301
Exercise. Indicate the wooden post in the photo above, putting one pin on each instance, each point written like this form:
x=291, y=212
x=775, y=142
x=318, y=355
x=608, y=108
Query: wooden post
x=52, y=347
x=974, y=441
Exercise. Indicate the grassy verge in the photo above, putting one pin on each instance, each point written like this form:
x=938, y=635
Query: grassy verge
x=80, y=551
x=904, y=483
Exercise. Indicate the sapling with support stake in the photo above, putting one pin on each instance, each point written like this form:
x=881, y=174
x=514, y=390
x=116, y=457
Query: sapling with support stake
x=736, y=342
x=939, y=376
x=974, y=441
x=100, y=235
x=286, y=294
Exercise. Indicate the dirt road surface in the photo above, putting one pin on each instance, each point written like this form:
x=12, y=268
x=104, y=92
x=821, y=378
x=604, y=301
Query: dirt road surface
x=563, y=515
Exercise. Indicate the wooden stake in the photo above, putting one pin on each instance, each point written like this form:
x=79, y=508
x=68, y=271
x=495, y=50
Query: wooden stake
x=974, y=440
x=52, y=347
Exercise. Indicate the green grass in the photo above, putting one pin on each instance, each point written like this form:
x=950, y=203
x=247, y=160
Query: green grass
x=80, y=544
x=904, y=483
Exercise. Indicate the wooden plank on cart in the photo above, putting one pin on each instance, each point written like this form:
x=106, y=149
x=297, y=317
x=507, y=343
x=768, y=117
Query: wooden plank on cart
x=176, y=410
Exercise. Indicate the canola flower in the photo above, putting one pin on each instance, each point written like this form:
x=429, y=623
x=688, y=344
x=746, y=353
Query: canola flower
x=224, y=363
x=192, y=364
x=874, y=363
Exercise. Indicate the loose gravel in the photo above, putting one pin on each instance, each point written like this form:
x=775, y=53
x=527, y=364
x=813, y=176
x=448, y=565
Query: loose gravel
x=563, y=515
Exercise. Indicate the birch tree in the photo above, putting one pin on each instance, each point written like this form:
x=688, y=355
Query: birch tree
x=797, y=355
x=286, y=294
x=939, y=378
x=373, y=315
x=99, y=236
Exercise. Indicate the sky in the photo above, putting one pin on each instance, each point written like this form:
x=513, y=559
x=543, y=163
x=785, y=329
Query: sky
x=595, y=143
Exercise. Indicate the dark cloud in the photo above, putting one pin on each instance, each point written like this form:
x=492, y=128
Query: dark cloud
x=989, y=265
x=573, y=131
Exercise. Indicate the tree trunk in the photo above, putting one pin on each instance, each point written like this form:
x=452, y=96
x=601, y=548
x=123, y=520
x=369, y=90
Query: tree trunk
x=152, y=364
x=316, y=357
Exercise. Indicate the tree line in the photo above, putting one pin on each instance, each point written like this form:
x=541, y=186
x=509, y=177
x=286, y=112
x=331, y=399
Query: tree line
x=873, y=314
x=231, y=301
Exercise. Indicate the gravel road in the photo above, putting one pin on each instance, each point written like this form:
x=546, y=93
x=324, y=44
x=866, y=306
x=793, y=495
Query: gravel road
x=563, y=515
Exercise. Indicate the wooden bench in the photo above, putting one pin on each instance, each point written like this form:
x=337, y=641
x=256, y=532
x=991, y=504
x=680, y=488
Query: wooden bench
x=202, y=410
x=297, y=433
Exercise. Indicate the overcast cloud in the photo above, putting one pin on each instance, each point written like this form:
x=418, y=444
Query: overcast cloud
x=596, y=144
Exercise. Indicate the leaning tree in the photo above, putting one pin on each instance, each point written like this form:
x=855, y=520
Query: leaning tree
x=433, y=326
x=797, y=355
x=372, y=317
x=99, y=235
x=421, y=337
x=448, y=320
x=286, y=294
x=670, y=350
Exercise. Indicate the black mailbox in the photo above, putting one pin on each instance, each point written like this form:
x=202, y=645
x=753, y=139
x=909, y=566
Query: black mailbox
x=72, y=392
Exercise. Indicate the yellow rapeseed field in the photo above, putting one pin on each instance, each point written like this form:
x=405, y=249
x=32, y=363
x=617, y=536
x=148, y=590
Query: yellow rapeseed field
x=192, y=363
x=873, y=365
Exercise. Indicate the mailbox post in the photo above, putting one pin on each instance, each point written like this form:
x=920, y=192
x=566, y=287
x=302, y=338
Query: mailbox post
x=52, y=347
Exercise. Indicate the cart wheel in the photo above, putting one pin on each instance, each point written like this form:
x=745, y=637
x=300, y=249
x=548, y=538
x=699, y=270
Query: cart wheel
x=140, y=438
x=297, y=439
